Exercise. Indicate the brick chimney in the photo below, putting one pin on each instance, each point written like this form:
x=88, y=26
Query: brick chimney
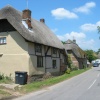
x=26, y=16
x=42, y=20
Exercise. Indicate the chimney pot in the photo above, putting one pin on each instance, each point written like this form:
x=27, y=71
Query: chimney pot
x=74, y=41
x=42, y=20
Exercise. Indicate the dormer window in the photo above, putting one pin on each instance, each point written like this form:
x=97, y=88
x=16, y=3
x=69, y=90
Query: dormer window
x=38, y=48
x=2, y=40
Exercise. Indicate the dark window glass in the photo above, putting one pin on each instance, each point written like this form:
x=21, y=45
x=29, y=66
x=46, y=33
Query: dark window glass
x=54, y=64
x=54, y=51
x=38, y=48
x=39, y=61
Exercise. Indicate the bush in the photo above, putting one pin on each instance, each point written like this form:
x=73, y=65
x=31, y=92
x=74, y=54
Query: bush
x=5, y=77
x=1, y=76
x=68, y=71
x=73, y=67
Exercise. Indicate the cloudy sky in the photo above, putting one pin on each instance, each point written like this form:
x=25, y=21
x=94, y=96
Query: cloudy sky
x=68, y=19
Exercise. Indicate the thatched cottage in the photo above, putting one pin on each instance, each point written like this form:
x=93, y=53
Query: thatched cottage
x=27, y=44
x=77, y=55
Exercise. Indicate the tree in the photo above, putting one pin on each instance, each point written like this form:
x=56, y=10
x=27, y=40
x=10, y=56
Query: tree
x=91, y=55
x=98, y=51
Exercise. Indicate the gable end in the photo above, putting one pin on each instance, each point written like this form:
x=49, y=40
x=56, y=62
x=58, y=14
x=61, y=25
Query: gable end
x=6, y=26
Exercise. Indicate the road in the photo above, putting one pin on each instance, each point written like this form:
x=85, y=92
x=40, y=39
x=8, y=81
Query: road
x=85, y=86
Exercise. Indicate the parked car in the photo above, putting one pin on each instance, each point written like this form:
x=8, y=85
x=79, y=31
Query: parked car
x=96, y=65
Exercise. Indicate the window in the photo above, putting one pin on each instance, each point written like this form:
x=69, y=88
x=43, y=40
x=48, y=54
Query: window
x=38, y=48
x=39, y=61
x=2, y=40
x=54, y=63
x=54, y=51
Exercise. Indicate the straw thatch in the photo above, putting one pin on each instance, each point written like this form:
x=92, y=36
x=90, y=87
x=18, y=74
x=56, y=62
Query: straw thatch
x=41, y=33
x=70, y=45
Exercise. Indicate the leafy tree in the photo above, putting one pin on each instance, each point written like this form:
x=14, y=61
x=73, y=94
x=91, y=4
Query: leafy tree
x=98, y=51
x=63, y=42
x=90, y=55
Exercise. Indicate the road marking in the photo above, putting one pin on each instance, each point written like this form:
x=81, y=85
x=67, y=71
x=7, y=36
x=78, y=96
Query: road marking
x=92, y=84
x=98, y=75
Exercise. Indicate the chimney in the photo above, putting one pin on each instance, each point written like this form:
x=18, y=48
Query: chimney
x=42, y=20
x=74, y=41
x=26, y=16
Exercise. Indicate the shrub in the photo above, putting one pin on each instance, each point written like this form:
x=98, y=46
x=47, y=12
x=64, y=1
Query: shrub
x=68, y=71
x=5, y=77
x=74, y=67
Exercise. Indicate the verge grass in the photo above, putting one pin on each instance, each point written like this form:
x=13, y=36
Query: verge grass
x=48, y=82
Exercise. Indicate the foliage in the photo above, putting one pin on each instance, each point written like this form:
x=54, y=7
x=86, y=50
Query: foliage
x=5, y=78
x=98, y=51
x=73, y=67
x=69, y=62
x=68, y=71
x=90, y=55
x=63, y=42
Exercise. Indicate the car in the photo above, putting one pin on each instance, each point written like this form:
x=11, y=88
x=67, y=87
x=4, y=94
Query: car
x=96, y=65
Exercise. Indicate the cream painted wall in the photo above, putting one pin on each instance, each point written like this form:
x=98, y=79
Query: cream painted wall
x=15, y=56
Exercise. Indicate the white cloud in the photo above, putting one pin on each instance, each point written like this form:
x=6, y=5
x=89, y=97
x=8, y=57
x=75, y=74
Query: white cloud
x=85, y=8
x=61, y=13
x=76, y=35
x=89, y=26
x=87, y=44
x=80, y=39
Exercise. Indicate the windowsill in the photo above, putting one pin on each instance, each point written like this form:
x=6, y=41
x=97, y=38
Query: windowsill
x=54, y=67
x=3, y=43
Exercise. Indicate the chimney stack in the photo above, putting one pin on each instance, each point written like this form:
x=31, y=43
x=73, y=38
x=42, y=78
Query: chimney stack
x=26, y=16
x=42, y=20
x=74, y=41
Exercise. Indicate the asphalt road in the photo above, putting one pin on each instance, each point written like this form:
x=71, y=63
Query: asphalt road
x=85, y=86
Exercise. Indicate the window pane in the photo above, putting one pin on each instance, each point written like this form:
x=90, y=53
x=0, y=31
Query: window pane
x=38, y=48
x=2, y=40
x=39, y=61
x=54, y=63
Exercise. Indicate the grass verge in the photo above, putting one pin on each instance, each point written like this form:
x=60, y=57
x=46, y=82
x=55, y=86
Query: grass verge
x=48, y=82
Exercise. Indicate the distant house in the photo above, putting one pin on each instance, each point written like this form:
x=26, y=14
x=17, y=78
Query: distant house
x=27, y=44
x=77, y=55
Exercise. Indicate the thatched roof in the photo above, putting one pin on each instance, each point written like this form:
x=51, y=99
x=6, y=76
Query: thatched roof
x=70, y=45
x=41, y=33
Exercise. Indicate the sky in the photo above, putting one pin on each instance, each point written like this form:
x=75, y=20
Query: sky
x=68, y=19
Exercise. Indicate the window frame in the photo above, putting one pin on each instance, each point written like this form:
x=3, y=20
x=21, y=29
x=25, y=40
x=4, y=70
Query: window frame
x=38, y=48
x=3, y=40
x=54, y=63
x=54, y=51
x=39, y=61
